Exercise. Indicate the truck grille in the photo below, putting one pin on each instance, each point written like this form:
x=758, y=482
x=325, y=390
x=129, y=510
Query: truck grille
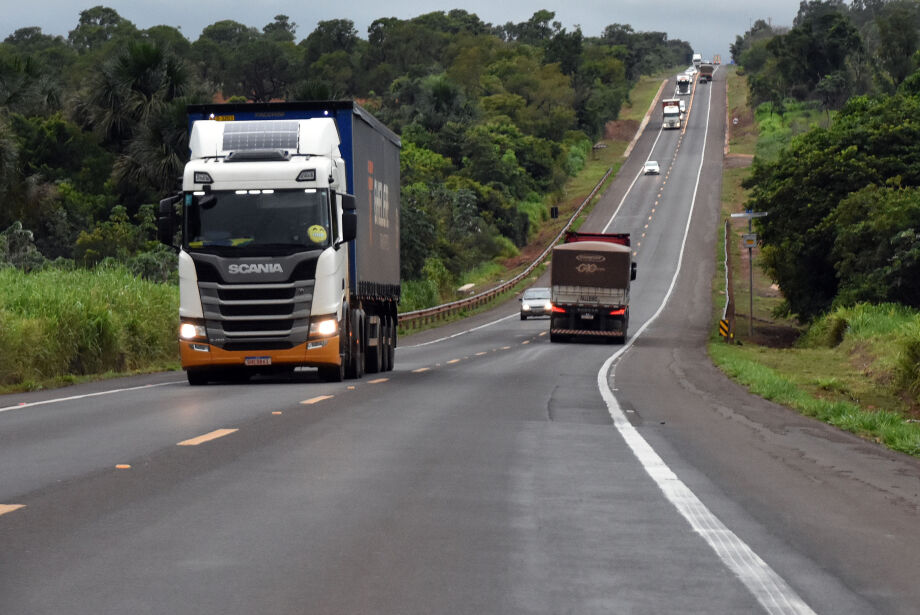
x=245, y=316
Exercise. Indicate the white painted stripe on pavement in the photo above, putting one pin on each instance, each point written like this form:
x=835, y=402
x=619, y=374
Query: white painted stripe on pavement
x=770, y=590
x=75, y=397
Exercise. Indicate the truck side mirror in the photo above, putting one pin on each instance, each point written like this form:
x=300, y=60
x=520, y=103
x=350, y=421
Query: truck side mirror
x=166, y=220
x=349, y=218
x=632, y=272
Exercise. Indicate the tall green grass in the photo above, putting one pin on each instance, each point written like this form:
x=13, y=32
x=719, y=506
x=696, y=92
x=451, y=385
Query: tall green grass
x=55, y=324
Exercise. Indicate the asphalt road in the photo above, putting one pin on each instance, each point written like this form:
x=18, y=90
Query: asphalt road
x=490, y=472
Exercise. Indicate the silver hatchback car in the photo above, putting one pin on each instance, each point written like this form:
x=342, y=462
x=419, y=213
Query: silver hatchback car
x=535, y=302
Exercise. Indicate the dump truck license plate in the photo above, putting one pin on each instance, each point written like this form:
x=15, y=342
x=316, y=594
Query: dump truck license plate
x=258, y=360
x=587, y=316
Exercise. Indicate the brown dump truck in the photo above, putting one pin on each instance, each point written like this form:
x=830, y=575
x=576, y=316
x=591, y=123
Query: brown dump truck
x=590, y=276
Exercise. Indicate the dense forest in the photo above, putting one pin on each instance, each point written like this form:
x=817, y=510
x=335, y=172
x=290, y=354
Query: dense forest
x=843, y=197
x=493, y=120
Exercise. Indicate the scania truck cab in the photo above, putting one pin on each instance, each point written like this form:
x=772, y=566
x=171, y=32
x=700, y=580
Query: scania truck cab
x=271, y=275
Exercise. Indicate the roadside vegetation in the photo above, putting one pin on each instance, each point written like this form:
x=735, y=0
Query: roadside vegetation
x=855, y=363
x=58, y=326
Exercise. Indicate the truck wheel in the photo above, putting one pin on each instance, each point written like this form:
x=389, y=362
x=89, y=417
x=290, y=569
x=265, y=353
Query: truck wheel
x=386, y=363
x=196, y=377
x=333, y=373
x=354, y=367
x=374, y=354
x=391, y=344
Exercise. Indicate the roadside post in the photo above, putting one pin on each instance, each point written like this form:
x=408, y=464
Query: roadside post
x=749, y=241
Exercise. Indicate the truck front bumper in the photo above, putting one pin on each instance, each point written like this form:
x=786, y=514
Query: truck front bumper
x=313, y=353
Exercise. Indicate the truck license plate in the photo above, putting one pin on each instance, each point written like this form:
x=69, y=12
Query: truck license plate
x=258, y=360
x=587, y=316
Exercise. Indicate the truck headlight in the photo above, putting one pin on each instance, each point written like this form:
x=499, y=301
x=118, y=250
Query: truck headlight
x=324, y=327
x=190, y=331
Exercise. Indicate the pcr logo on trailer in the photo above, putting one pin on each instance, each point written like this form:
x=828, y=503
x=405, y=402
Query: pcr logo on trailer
x=255, y=268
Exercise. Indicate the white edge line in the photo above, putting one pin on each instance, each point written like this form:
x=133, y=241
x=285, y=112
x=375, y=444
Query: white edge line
x=770, y=590
x=74, y=397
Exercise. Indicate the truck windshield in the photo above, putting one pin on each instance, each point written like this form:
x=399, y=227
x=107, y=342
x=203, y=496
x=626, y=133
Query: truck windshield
x=257, y=221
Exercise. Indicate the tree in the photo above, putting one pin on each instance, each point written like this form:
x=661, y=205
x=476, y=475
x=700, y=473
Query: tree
x=534, y=31
x=898, y=34
x=877, y=248
x=214, y=52
x=281, y=30
x=262, y=70
x=871, y=142
x=330, y=36
x=97, y=27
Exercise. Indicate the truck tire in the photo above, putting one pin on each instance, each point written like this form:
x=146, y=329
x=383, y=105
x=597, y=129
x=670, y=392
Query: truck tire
x=373, y=362
x=332, y=373
x=354, y=365
x=389, y=344
x=385, y=344
x=196, y=377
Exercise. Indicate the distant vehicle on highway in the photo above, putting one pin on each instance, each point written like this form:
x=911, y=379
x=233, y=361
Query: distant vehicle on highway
x=651, y=167
x=535, y=302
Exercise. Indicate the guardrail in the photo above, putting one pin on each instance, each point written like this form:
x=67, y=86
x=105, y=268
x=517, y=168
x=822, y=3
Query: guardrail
x=420, y=318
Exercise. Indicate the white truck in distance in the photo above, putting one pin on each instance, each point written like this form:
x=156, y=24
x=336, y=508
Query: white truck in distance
x=289, y=253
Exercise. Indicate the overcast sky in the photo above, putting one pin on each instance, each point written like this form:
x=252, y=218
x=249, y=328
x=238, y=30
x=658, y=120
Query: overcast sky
x=709, y=26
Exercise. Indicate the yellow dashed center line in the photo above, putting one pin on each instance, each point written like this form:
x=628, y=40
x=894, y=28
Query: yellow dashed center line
x=452, y=361
x=506, y=347
x=525, y=342
x=377, y=381
x=480, y=354
x=276, y=413
x=217, y=433
x=542, y=333
x=8, y=508
x=420, y=370
x=123, y=466
x=315, y=400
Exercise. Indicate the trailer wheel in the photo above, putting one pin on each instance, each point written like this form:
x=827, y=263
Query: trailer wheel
x=386, y=363
x=389, y=344
x=374, y=354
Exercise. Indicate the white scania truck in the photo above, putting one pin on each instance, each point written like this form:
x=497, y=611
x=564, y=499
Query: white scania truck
x=289, y=250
